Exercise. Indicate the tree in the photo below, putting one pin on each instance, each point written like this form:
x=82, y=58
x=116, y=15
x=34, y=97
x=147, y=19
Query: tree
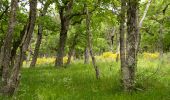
x=124, y=68
x=67, y=13
x=65, y=8
x=132, y=35
x=86, y=55
x=39, y=36
x=73, y=44
x=6, y=48
x=89, y=41
x=129, y=57
x=141, y=23
x=14, y=76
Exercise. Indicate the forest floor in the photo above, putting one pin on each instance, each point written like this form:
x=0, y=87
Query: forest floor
x=77, y=82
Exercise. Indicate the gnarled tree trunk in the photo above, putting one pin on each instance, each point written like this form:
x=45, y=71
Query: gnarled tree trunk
x=14, y=78
x=5, y=57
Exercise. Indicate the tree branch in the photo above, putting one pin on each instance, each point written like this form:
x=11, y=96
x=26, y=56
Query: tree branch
x=5, y=11
x=144, y=14
x=164, y=10
x=83, y=11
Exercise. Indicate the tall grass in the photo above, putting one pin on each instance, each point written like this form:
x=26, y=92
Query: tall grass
x=77, y=82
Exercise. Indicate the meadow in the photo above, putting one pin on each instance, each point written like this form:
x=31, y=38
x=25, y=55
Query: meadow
x=77, y=81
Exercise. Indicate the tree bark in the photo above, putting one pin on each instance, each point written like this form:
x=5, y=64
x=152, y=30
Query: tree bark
x=112, y=39
x=132, y=35
x=13, y=80
x=89, y=40
x=161, y=39
x=37, y=46
x=124, y=69
x=16, y=45
x=118, y=47
x=61, y=47
x=86, y=56
x=71, y=49
x=118, y=51
x=39, y=36
x=6, y=48
x=64, y=12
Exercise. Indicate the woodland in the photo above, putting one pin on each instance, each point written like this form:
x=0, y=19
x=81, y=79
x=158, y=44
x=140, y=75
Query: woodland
x=85, y=49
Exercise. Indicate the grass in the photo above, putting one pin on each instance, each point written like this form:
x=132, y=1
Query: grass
x=77, y=82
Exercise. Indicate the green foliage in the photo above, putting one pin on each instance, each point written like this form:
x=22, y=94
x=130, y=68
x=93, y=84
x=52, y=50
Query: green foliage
x=151, y=27
x=49, y=23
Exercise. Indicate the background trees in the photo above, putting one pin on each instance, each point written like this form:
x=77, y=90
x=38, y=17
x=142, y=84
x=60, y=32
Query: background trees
x=76, y=29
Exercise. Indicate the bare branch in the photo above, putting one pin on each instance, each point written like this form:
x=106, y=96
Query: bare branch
x=144, y=14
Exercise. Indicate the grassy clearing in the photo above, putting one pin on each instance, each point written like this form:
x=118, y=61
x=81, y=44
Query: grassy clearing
x=77, y=82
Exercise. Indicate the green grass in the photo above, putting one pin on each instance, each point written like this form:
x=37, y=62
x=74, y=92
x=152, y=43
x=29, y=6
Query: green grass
x=77, y=82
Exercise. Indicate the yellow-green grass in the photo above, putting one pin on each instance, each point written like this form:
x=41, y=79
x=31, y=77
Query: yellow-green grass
x=77, y=82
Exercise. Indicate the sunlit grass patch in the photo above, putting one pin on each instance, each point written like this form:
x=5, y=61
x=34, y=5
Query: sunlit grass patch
x=78, y=82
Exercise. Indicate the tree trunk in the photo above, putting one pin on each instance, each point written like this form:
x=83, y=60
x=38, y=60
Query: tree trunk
x=16, y=45
x=28, y=55
x=64, y=11
x=118, y=51
x=6, y=48
x=112, y=39
x=61, y=47
x=132, y=35
x=118, y=47
x=37, y=46
x=39, y=36
x=71, y=50
x=124, y=69
x=89, y=40
x=13, y=80
x=161, y=39
x=86, y=56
